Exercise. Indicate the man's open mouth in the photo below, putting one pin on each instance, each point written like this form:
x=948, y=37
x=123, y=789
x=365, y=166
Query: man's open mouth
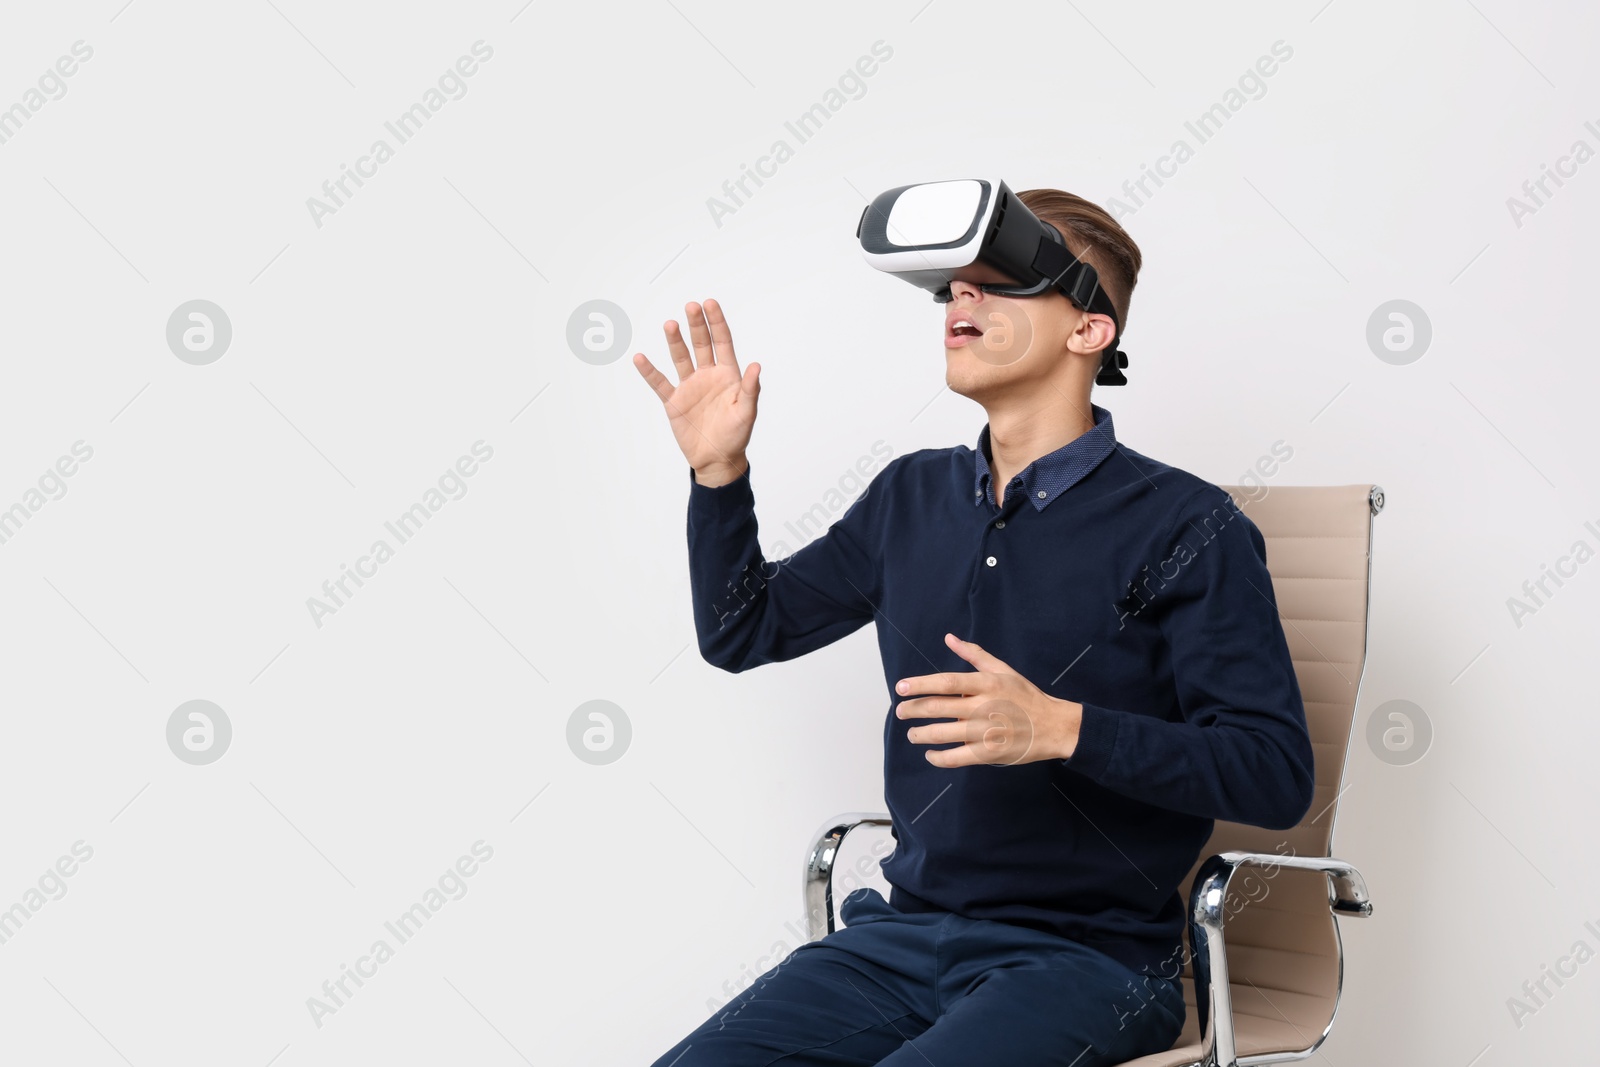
x=962, y=326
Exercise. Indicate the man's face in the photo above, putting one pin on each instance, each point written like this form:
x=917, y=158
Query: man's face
x=1013, y=341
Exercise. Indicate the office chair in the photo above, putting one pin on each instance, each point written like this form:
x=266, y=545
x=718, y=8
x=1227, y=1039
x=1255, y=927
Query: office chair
x=1262, y=972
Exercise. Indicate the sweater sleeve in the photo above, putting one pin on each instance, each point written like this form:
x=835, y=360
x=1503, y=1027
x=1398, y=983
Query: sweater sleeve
x=1242, y=751
x=749, y=610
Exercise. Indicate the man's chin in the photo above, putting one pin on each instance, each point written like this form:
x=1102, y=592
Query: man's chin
x=961, y=365
x=964, y=384
x=983, y=385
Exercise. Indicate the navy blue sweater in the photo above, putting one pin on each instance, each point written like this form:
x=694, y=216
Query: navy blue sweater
x=1108, y=578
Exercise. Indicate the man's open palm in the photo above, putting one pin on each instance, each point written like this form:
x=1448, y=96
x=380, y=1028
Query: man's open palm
x=712, y=409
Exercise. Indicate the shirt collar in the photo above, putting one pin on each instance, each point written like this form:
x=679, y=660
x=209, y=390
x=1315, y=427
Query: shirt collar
x=1050, y=475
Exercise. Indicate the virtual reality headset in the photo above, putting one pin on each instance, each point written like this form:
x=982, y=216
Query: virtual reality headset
x=978, y=231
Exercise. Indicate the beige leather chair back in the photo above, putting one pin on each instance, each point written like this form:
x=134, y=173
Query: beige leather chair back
x=1283, y=950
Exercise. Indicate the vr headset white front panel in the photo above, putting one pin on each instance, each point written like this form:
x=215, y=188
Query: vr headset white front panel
x=935, y=213
x=923, y=222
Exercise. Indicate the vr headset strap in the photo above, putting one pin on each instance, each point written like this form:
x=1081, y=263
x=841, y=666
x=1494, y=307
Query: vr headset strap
x=1081, y=282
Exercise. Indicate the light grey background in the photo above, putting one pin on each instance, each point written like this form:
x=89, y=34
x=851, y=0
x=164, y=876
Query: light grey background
x=624, y=901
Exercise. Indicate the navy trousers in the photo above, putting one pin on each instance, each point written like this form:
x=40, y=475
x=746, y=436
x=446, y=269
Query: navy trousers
x=900, y=989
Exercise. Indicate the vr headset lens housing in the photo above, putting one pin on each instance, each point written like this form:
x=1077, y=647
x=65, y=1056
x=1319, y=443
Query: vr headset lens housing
x=978, y=231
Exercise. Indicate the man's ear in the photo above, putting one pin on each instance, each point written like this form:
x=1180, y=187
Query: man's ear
x=1093, y=333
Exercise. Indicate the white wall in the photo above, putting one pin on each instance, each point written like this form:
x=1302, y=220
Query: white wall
x=430, y=312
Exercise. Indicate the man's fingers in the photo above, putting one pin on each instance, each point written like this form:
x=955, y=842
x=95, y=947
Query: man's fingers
x=679, y=350
x=699, y=335
x=965, y=682
x=972, y=755
x=977, y=655
x=721, y=336
x=993, y=732
x=937, y=707
x=965, y=756
x=940, y=733
x=655, y=379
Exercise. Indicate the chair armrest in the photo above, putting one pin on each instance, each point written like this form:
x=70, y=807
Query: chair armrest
x=818, y=878
x=1347, y=890
x=1347, y=895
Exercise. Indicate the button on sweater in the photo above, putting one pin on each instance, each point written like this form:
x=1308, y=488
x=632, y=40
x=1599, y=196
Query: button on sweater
x=1104, y=577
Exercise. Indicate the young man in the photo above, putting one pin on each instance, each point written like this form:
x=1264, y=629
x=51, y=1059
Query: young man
x=1085, y=668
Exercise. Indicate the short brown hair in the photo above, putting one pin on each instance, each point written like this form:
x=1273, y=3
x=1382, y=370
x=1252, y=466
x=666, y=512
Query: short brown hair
x=1094, y=237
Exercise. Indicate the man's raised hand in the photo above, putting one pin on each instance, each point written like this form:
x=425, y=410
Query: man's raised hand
x=712, y=409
